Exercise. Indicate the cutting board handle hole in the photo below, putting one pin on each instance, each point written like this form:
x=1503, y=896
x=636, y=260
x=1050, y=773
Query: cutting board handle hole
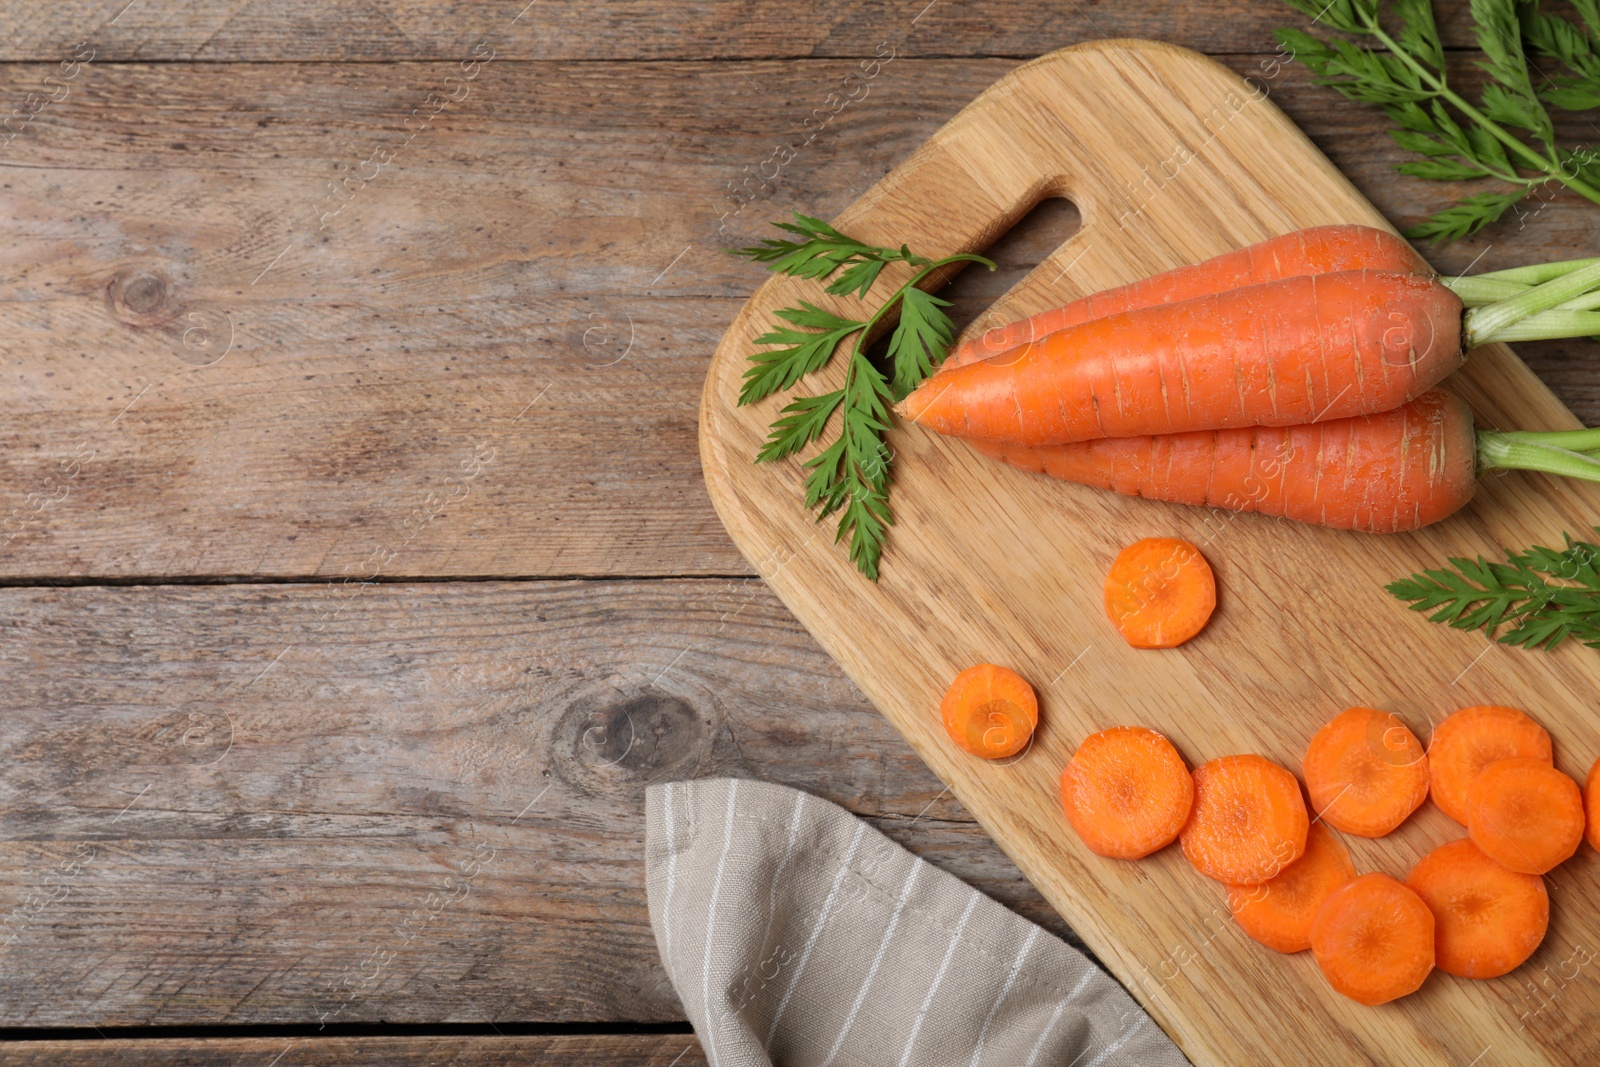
x=1031, y=240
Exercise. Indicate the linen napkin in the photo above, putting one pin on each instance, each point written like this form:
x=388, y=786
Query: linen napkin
x=796, y=934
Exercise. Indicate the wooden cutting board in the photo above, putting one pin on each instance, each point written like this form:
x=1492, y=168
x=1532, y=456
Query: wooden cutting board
x=1170, y=158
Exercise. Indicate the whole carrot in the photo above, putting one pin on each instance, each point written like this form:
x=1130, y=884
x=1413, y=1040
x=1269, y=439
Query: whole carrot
x=1393, y=471
x=1317, y=250
x=1296, y=350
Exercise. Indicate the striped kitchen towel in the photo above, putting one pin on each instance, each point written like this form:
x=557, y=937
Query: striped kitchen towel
x=796, y=934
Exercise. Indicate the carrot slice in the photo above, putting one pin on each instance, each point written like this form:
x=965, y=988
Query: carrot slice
x=1373, y=939
x=1525, y=814
x=1278, y=912
x=990, y=711
x=1160, y=592
x=1471, y=739
x=1489, y=918
x=1127, y=792
x=1591, y=803
x=1366, y=772
x=1249, y=821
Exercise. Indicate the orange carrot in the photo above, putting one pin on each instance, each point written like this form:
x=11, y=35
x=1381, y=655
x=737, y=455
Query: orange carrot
x=1489, y=918
x=1317, y=250
x=1591, y=804
x=1398, y=470
x=1249, y=821
x=1127, y=792
x=1366, y=772
x=1373, y=939
x=1285, y=352
x=1469, y=740
x=1525, y=814
x=1160, y=592
x=990, y=711
x=1278, y=912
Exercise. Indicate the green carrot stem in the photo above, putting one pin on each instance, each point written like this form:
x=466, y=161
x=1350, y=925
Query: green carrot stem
x=1496, y=322
x=1571, y=440
x=1518, y=450
x=1548, y=326
x=1586, y=302
x=1476, y=290
x=1538, y=273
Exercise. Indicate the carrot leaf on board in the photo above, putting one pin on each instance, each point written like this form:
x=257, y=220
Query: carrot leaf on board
x=1506, y=135
x=1544, y=595
x=849, y=476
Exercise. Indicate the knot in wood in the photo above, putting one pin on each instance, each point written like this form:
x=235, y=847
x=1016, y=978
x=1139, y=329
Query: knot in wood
x=141, y=296
x=629, y=742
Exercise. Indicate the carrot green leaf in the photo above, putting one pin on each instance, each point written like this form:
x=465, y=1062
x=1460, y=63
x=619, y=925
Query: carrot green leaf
x=1543, y=595
x=1505, y=135
x=849, y=476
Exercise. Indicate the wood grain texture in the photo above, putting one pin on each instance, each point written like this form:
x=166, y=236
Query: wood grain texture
x=988, y=564
x=552, y=237
x=650, y=1050
x=260, y=804
x=353, y=31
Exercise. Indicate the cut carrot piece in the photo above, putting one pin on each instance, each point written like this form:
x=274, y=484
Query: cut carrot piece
x=1525, y=814
x=1373, y=939
x=1471, y=739
x=1591, y=803
x=1366, y=772
x=990, y=711
x=1249, y=820
x=1160, y=592
x=1278, y=912
x=1489, y=918
x=1127, y=792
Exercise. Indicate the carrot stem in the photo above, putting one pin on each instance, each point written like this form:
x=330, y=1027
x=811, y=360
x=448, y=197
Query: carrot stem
x=1538, y=273
x=1476, y=290
x=1494, y=322
x=1550, y=453
x=1548, y=325
x=1571, y=440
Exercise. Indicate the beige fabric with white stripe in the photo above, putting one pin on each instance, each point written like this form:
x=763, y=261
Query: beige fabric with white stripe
x=797, y=935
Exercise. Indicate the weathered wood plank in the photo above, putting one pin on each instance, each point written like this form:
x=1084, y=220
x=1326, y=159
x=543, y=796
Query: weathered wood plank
x=548, y=240
x=268, y=804
x=645, y=1050
x=351, y=31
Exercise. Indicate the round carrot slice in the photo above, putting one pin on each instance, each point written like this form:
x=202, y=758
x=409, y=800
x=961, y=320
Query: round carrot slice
x=1278, y=912
x=990, y=711
x=1591, y=803
x=1160, y=592
x=1127, y=792
x=1525, y=814
x=1249, y=820
x=1366, y=772
x=1489, y=918
x=1471, y=739
x=1373, y=939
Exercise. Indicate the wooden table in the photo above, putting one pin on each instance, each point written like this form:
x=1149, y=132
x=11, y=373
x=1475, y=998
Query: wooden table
x=358, y=575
